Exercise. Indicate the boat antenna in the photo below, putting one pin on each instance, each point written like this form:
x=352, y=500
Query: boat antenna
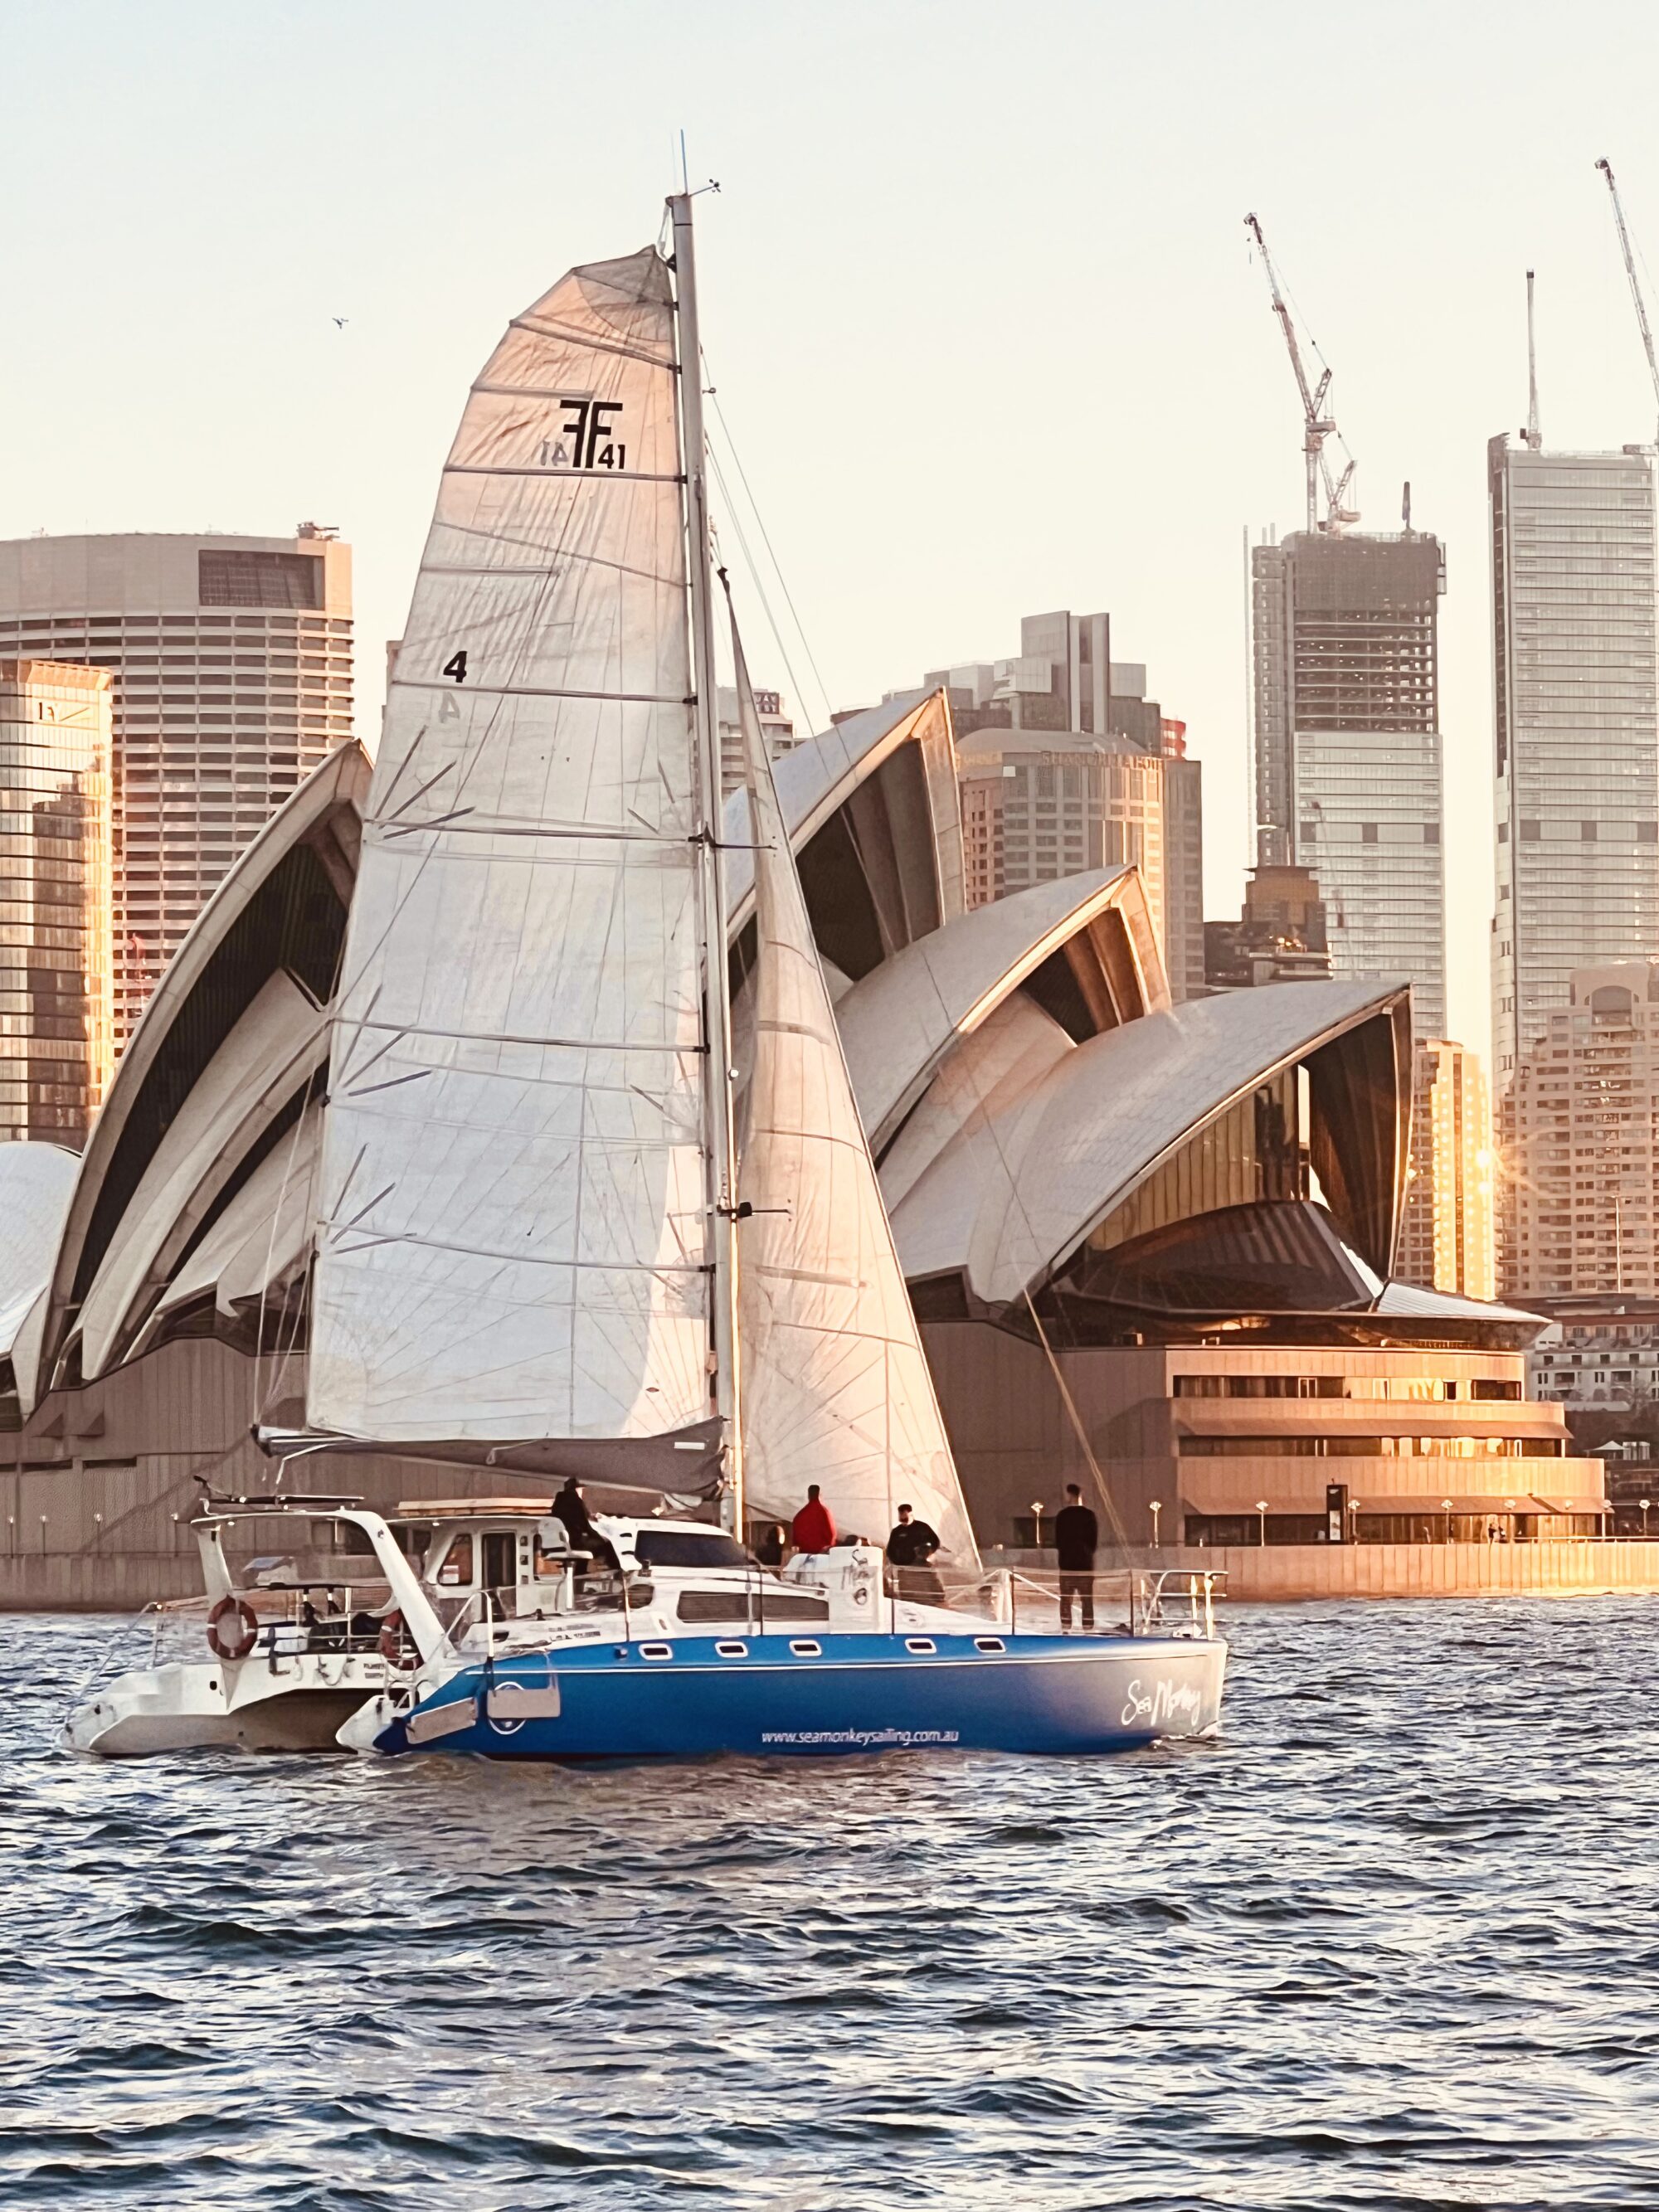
x=721, y=1154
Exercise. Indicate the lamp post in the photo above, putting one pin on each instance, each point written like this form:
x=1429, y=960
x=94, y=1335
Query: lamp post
x=1037, y=1517
x=1446, y=1508
x=1155, y=1508
x=1644, y=1502
x=1261, y=1511
x=1353, y=1520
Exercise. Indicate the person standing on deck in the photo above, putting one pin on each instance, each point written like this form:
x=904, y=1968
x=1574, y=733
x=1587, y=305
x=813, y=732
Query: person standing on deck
x=1076, y=1537
x=812, y=1530
x=909, y=1547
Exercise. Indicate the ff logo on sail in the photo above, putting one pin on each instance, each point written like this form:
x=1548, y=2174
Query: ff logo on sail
x=586, y=438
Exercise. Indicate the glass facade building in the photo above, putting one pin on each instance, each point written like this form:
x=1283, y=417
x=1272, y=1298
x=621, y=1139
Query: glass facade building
x=56, y=1047
x=1577, y=727
x=1577, y=698
x=230, y=661
x=1345, y=655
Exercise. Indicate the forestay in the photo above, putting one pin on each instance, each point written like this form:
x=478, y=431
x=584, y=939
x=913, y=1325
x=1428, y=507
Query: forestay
x=512, y=1235
x=835, y=1387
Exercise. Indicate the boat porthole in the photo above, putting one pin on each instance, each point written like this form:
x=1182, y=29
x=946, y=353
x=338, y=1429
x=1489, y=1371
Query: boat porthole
x=989, y=1643
x=732, y=1651
x=920, y=1644
x=804, y=1648
x=656, y=1651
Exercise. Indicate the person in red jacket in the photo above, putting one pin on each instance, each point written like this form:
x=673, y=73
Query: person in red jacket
x=812, y=1530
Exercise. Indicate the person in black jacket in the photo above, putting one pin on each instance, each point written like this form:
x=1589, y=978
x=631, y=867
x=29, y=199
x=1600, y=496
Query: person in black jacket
x=911, y=1546
x=1077, y=1537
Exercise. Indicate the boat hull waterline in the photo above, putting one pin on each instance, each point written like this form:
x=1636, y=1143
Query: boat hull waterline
x=1044, y=1694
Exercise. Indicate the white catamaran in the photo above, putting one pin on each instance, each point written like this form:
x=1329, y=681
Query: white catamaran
x=542, y=1247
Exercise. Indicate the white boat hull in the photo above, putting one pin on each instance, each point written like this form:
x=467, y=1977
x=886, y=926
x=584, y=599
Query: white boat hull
x=241, y=1705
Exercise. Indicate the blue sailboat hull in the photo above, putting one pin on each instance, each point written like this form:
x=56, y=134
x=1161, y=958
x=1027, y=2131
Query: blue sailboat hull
x=764, y=1696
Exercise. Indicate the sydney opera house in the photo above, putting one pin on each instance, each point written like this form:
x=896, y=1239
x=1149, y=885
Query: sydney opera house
x=1150, y=1245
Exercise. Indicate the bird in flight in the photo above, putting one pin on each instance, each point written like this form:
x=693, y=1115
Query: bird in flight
x=340, y=321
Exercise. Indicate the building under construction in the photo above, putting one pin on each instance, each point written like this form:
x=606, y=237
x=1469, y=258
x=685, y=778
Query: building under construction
x=1345, y=653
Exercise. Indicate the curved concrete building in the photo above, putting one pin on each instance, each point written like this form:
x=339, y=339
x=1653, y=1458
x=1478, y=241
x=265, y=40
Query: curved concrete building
x=1148, y=1240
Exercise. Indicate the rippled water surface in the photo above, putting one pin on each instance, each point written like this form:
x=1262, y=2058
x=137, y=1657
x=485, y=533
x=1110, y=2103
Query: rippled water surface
x=1392, y=1941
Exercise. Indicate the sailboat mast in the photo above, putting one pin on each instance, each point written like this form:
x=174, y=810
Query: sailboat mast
x=721, y=1152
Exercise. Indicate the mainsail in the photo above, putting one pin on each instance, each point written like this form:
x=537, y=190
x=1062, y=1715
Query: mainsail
x=514, y=1225
x=835, y=1387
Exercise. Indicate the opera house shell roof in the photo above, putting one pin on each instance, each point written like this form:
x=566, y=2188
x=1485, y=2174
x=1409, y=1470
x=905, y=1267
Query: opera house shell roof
x=1051, y=1131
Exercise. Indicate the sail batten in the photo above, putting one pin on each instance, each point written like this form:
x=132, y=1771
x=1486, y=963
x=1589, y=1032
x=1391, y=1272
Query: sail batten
x=512, y=1214
x=836, y=1385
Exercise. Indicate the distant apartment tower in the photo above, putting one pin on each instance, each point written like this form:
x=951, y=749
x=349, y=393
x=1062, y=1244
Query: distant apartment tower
x=776, y=729
x=1446, y=1232
x=1345, y=657
x=57, y=1050
x=1583, y=1164
x=1066, y=765
x=231, y=664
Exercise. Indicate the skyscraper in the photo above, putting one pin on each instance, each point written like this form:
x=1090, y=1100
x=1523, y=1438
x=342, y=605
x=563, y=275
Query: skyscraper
x=232, y=676
x=56, y=1049
x=1345, y=654
x=1446, y=1229
x=1091, y=774
x=1577, y=695
x=1577, y=727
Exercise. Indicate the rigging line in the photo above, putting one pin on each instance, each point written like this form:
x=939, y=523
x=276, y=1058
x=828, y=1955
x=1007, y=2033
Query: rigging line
x=1079, y=1430
x=257, y=1400
x=742, y=477
x=755, y=578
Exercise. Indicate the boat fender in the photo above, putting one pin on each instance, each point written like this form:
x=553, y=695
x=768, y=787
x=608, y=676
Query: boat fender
x=224, y=1646
x=391, y=1637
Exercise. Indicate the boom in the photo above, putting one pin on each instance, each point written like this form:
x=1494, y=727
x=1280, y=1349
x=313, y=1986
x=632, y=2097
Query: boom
x=1642, y=323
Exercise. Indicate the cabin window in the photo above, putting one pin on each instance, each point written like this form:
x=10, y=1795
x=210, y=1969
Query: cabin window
x=714, y=1605
x=688, y=1547
x=456, y=1567
x=501, y=1560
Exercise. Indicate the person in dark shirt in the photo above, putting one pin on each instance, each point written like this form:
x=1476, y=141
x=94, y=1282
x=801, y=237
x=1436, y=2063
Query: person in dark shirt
x=1076, y=1537
x=571, y=1507
x=911, y=1545
x=768, y=1550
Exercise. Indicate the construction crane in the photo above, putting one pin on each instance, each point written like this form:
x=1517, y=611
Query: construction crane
x=1605, y=167
x=1318, y=425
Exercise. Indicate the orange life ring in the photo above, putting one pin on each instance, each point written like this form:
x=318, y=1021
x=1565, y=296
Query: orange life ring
x=391, y=1637
x=239, y=1646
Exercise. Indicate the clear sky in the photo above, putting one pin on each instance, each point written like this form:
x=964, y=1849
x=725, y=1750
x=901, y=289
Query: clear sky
x=978, y=301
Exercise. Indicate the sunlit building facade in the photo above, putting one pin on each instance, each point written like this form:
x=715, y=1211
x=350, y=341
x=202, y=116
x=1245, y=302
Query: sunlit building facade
x=56, y=1018
x=230, y=661
x=1583, y=1164
x=1446, y=1229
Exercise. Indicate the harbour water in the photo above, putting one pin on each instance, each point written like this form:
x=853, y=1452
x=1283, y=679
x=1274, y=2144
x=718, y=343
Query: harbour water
x=1391, y=1942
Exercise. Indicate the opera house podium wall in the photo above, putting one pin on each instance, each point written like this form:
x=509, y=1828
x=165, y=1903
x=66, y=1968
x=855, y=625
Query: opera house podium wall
x=1150, y=1245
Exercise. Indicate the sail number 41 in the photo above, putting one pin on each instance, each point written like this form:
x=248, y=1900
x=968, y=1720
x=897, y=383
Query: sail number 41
x=587, y=437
